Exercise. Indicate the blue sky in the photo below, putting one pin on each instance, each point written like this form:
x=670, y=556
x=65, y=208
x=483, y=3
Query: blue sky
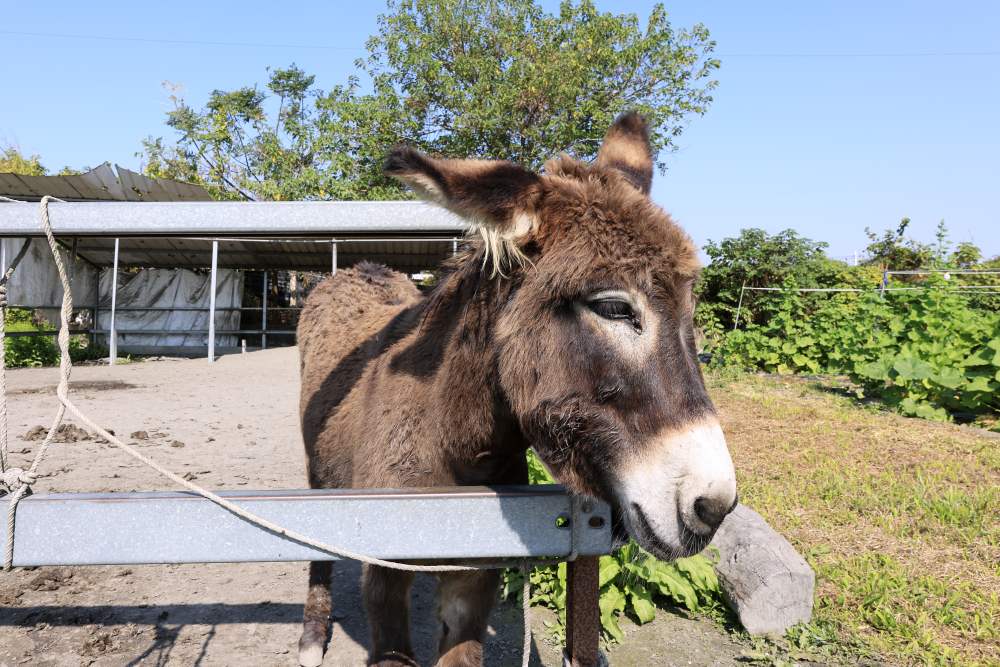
x=829, y=116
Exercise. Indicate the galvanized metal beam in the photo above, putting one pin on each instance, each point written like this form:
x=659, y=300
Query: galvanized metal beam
x=413, y=524
x=260, y=219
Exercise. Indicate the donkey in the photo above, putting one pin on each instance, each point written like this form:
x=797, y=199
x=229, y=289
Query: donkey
x=566, y=328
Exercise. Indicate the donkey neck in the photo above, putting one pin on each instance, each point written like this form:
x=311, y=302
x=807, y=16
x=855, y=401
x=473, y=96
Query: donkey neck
x=453, y=350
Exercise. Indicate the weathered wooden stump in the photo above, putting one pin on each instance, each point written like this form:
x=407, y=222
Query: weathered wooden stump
x=767, y=583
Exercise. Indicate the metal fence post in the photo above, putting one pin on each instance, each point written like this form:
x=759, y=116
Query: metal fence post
x=95, y=325
x=583, y=613
x=333, y=257
x=112, y=335
x=211, y=303
x=739, y=306
x=263, y=315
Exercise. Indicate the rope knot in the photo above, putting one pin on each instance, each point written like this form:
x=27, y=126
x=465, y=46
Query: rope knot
x=13, y=478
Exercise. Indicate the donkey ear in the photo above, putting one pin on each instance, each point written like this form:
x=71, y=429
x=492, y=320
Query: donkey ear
x=626, y=148
x=490, y=193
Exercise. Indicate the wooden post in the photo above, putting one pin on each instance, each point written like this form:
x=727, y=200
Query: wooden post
x=583, y=613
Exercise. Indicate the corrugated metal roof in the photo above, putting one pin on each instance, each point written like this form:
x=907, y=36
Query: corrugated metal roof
x=100, y=184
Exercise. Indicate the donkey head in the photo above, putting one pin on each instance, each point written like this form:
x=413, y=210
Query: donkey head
x=594, y=341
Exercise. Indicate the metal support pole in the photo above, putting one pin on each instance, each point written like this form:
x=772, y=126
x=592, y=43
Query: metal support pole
x=333, y=257
x=3, y=256
x=95, y=325
x=454, y=247
x=263, y=315
x=885, y=283
x=211, y=303
x=72, y=263
x=112, y=336
x=583, y=613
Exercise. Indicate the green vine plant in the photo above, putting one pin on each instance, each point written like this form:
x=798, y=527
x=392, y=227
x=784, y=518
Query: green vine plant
x=632, y=583
x=926, y=353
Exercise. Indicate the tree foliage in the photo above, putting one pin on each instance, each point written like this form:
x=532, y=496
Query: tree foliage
x=463, y=78
x=12, y=161
x=893, y=250
x=758, y=259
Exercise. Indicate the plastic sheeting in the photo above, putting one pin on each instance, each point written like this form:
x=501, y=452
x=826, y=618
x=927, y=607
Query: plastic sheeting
x=36, y=283
x=171, y=288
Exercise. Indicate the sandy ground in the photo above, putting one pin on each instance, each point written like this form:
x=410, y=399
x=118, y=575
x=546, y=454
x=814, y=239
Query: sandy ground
x=232, y=425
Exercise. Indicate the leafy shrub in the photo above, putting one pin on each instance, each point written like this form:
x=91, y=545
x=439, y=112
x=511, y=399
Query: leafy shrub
x=34, y=351
x=24, y=351
x=925, y=352
x=632, y=582
x=758, y=259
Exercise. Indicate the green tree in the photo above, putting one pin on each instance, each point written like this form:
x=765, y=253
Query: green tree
x=966, y=255
x=487, y=78
x=12, y=161
x=893, y=250
x=758, y=259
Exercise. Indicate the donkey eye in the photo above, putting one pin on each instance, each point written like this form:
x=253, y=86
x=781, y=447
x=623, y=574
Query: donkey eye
x=612, y=309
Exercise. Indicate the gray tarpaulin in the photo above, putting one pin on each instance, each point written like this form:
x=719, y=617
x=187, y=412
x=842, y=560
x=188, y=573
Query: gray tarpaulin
x=171, y=288
x=36, y=283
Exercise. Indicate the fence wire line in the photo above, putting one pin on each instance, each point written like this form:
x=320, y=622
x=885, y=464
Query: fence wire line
x=21, y=480
x=963, y=288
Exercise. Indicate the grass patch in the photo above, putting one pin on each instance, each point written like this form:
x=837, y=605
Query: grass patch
x=898, y=516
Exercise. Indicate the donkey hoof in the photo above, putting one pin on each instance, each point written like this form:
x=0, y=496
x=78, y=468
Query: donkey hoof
x=311, y=645
x=393, y=659
x=310, y=654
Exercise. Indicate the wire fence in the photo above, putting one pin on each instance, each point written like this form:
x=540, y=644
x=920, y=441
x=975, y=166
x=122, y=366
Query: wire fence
x=882, y=290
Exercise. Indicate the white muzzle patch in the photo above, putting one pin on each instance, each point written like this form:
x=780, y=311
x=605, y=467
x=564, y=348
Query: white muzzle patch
x=664, y=493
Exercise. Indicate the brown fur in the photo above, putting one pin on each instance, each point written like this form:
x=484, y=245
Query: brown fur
x=400, y=390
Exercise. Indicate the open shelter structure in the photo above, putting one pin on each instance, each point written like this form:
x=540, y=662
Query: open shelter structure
x=110, y=236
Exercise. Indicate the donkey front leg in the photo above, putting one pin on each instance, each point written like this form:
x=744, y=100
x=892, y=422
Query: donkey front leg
x=316, y=619
x=387, y=601
x=465, y=600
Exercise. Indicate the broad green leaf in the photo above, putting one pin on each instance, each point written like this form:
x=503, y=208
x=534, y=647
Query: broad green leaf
x=909, y=368
x=609, y=569
x=979, y=384
x=949, y=377
x=641, y=602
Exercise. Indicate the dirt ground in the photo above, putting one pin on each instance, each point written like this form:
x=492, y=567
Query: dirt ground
x=231, y=425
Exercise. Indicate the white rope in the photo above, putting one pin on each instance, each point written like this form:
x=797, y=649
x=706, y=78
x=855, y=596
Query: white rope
x=62, y=392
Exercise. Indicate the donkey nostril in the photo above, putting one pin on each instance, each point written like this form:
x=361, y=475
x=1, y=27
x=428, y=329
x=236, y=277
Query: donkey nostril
x=712, y=510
